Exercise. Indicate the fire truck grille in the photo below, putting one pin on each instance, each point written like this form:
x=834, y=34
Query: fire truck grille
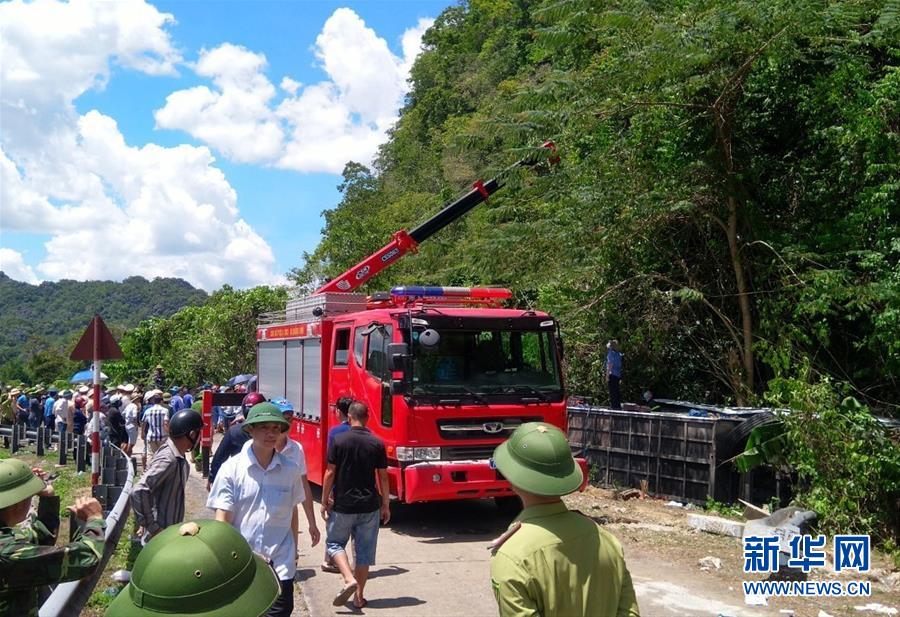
x=480, y=428
x=467, y=453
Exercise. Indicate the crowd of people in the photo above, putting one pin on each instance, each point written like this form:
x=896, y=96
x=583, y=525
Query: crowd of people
x=551, y=561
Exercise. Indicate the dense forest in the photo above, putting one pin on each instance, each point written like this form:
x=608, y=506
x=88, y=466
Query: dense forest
x=726, y=203
x=39, y=324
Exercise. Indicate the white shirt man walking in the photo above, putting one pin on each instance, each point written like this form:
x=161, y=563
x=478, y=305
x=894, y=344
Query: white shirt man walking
x=258, y=491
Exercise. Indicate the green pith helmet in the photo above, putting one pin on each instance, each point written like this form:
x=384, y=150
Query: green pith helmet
x=266, y=412
x=536, y=458
x=199, y=569
x=17, y=482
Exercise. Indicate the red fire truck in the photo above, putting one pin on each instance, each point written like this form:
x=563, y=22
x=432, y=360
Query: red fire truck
x=447, y=372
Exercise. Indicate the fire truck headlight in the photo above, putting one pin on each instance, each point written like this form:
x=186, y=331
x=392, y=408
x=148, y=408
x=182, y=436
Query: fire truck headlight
x=427, y=454
x=404, y=453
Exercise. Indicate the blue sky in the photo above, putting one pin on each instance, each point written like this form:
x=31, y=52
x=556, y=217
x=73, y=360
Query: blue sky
x=159, y=138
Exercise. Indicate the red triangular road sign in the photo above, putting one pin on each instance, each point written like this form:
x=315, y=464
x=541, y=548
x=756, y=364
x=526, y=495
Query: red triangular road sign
x=97, y=343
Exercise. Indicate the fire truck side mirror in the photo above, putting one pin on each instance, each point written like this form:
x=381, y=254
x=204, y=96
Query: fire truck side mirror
x=399, y=356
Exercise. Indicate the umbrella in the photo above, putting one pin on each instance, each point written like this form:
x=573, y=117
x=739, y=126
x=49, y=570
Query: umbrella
x=238, y=379
x=86, y=376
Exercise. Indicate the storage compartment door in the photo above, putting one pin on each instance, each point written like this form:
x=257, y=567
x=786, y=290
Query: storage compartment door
x=312, y=379
x=270, y=356
x=294, y=371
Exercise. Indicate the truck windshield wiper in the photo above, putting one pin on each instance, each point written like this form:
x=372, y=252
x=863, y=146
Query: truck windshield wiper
x=531, y=389
x=475, y=395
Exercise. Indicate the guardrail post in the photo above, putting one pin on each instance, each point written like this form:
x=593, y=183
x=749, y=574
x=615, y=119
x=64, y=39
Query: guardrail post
x=80, y=453
x=14, y=446
x=63, y=442
x=39, y=442
x=48, y=436
x=6, y=442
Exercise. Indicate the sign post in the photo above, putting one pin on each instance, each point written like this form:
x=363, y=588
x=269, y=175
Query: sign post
x=96, y=344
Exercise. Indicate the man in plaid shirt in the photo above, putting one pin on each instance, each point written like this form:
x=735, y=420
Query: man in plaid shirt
x=156, y=423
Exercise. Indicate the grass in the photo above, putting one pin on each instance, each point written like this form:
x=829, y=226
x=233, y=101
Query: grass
x=723, y=509
x=123, y=559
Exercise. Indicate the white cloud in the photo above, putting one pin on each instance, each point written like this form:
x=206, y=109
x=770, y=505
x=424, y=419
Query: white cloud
x=313, y=128
x=235, y=119
x=113, y=210
x=12, y=264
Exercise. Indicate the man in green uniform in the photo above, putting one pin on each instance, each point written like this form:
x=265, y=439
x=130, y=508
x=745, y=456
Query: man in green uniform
x=553, y=561
x=29, y=558
x=201, y=569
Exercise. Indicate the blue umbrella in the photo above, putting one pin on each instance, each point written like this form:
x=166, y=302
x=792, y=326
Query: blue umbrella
x=86, y=376
x=238, y=379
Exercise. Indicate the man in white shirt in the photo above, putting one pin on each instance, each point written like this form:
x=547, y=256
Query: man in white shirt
x=257, y=491
x=63, y=410
x=130, y=413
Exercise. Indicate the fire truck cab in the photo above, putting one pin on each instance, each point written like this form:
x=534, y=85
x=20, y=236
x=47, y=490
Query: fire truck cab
x=447, y=375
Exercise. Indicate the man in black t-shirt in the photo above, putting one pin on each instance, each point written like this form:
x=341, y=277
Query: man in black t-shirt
x=353, y=461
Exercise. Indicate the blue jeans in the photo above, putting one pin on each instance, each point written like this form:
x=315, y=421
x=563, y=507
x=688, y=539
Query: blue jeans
x=363, y=528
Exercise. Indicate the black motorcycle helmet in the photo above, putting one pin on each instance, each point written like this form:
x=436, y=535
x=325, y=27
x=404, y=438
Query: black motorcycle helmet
x=184, y=422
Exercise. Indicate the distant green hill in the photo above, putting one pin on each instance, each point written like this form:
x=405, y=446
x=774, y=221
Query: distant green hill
x=46, y=319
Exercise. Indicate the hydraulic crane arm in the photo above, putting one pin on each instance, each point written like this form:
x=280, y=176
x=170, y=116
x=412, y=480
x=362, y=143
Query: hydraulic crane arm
x=404, y=242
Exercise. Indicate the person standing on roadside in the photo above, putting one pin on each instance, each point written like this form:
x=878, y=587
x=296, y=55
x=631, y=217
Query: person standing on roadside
x=52, y=395
x=354, y=460
x=235, y=437
x=341, y=409
x=158, y=497
x=187, y=396
x=130, y=416
x=156, y=424
x=21, y=411
x=159, y=378
x=28, y=555
x=63, y=409
x=35, y=409
x=176, y=403
x=551, y=560
x=258, y=492
x=614, y=373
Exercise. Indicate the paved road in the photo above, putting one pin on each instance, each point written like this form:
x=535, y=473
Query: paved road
x=432, y=561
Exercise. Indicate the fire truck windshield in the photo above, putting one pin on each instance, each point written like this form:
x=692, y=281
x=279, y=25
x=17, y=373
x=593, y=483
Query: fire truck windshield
x=482, y=363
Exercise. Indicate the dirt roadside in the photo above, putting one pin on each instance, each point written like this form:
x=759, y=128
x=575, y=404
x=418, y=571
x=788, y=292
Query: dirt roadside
x=663, y=554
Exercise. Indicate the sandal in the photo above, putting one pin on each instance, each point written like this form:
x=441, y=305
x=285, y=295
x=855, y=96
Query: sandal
x=361, y=605
x=344, y=594
x=329, y=567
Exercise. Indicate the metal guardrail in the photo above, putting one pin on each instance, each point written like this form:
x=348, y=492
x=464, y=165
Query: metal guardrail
x=67, y=599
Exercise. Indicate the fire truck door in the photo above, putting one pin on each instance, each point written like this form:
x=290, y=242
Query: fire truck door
x=339, y=379
x=377, y=376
